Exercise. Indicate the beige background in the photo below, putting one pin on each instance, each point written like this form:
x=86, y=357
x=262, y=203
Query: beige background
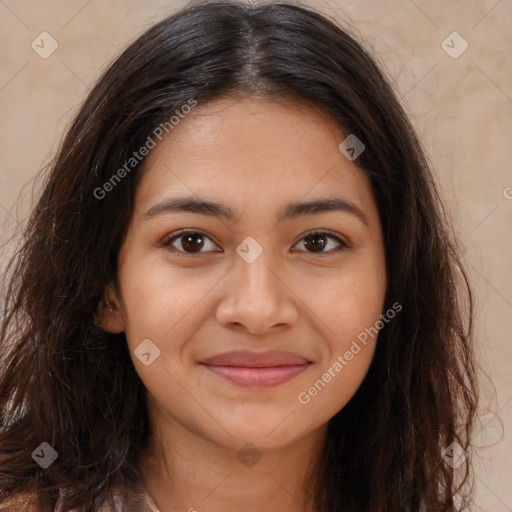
x=461, y=106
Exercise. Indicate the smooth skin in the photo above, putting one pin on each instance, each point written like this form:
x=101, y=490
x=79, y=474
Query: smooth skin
x=196, y=299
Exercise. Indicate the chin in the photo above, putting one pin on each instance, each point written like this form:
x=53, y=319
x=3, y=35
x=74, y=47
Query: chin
x=266, y=433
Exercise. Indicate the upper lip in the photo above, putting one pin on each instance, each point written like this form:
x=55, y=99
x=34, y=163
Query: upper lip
x=248, y=359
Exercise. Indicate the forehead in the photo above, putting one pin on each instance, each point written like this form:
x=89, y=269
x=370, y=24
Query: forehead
x=229, y=128
x=254, y=150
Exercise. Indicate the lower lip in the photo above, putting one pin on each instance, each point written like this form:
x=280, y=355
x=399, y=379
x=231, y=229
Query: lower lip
x=257, y=377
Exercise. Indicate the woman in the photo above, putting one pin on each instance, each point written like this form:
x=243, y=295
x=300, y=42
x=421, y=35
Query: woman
x=238, y=289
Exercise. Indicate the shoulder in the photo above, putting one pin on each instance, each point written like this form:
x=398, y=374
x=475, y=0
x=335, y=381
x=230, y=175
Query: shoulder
x=26, y=501
x=117, y=506
x=21, y=501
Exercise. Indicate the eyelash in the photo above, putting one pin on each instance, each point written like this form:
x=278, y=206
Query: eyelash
x=176, y=236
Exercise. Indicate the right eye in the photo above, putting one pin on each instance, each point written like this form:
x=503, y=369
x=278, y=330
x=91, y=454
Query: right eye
x=187, y=241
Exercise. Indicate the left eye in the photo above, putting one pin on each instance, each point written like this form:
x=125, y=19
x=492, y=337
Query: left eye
x=318, y=241
x=193, y=241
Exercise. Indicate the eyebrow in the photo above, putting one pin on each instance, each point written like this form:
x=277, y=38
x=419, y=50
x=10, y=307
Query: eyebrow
x=290, y=211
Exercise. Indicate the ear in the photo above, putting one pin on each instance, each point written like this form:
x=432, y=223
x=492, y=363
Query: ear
x=110, y=313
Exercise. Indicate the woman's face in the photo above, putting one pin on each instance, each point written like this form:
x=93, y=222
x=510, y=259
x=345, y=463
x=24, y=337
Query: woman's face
x=250, y=276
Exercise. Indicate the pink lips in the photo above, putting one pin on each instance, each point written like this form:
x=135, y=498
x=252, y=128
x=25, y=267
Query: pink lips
x=256, y=369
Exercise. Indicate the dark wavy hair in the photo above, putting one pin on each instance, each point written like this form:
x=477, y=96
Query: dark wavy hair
x=65, y=382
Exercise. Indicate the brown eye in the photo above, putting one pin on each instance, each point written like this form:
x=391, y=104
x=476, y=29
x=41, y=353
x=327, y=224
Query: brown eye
x=192, y=243
x=189, y=242
x=316, y=243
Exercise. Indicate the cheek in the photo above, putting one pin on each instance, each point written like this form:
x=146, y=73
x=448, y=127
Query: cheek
x=345, y=302
x=349, y=308
x=334, y=386
x=161, y=300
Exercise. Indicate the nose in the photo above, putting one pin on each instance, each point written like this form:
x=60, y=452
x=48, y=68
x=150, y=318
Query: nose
x=257, y=298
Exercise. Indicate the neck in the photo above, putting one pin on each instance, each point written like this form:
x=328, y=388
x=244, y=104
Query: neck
x=194, y=474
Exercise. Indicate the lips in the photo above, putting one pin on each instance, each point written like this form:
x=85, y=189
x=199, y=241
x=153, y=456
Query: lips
x=256, y=369
x=250, y=359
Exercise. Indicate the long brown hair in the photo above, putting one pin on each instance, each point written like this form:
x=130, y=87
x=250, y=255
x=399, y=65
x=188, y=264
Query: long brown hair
x=67, y=383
